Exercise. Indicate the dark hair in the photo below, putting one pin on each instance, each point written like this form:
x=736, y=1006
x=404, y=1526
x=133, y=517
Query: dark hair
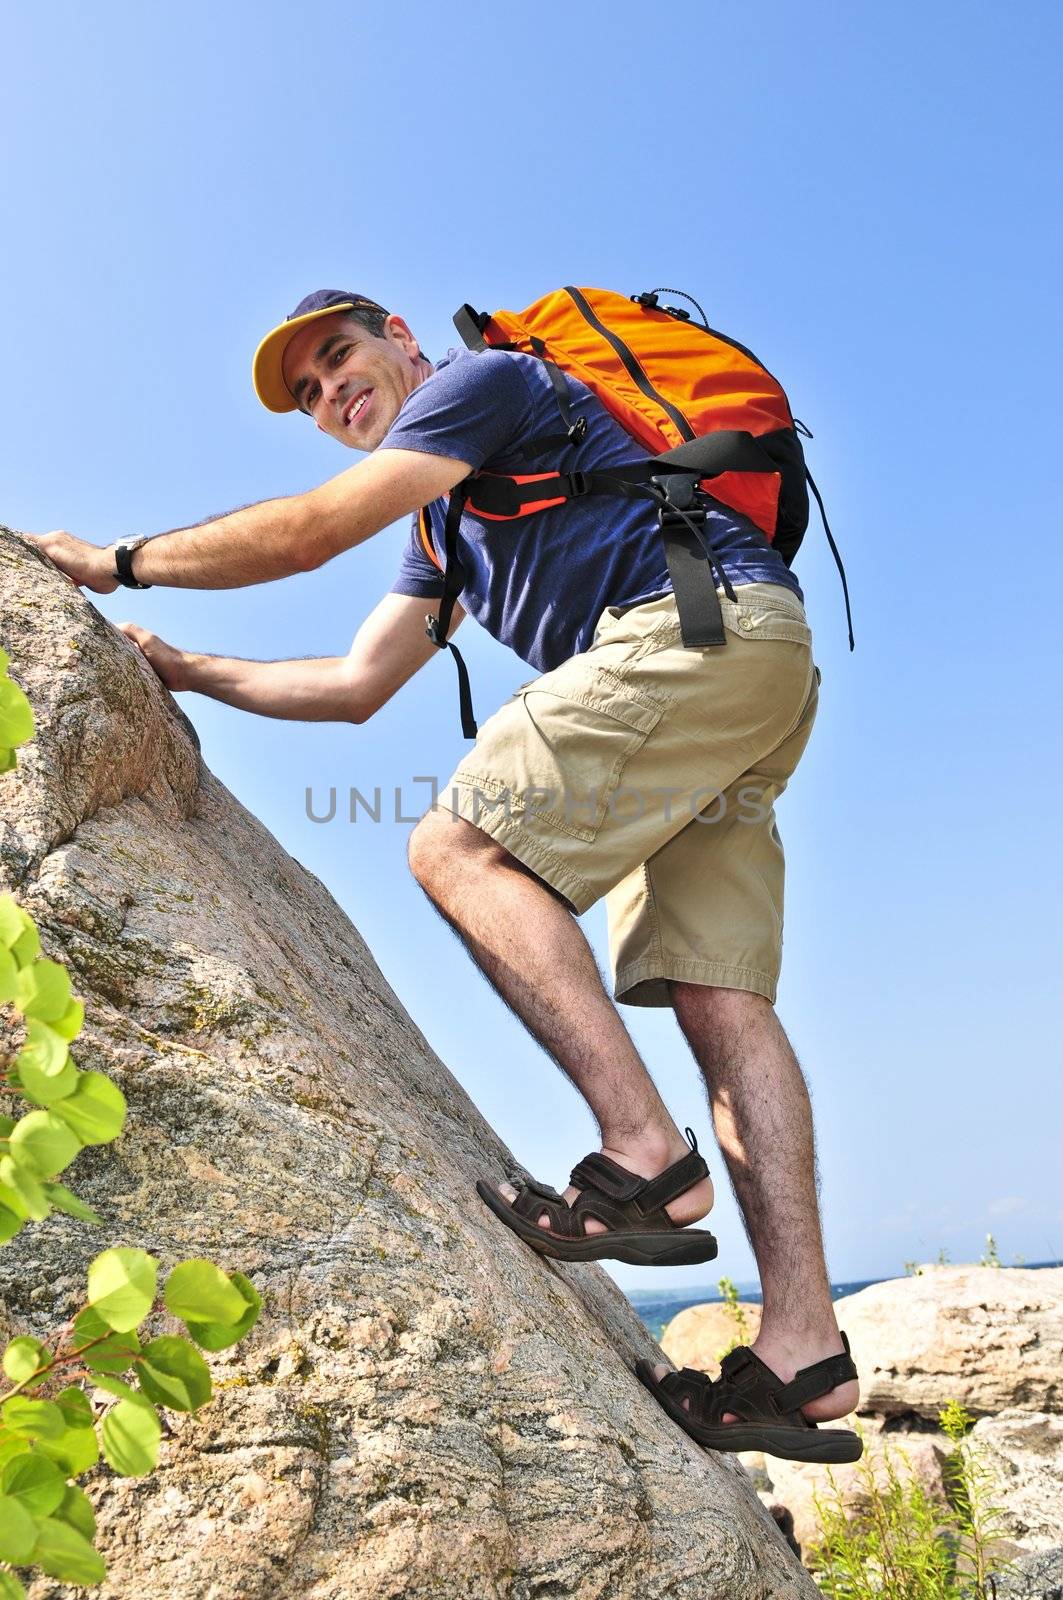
x=370, y=316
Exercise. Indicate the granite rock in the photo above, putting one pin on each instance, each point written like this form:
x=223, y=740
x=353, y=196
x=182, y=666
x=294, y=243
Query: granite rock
x=426, y=1407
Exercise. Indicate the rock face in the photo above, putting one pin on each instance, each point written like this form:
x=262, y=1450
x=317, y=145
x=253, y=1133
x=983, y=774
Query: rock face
x=426, y=1407
x=1025, y=1451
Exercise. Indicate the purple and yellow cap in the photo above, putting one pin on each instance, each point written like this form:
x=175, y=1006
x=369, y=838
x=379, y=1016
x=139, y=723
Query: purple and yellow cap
x=267, y=369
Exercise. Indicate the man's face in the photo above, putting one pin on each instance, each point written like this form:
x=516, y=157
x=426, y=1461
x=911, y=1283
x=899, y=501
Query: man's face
x=349, y=382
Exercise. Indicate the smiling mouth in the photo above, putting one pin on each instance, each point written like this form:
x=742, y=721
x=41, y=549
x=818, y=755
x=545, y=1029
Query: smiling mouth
x=356, y=407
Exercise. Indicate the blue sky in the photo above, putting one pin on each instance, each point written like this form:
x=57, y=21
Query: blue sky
x=860, y=193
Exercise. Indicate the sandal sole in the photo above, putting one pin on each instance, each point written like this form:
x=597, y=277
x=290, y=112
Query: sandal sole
x=684, y=1248
x=832, y=1445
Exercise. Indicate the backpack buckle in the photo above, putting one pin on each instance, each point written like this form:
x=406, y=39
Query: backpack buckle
x=680, y=490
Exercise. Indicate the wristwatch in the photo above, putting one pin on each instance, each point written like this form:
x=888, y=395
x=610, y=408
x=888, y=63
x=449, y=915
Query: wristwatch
x=123, y=562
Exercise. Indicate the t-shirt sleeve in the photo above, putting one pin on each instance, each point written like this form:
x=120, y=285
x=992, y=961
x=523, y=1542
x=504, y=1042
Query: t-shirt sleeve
x=417, y=575
x=473, y=408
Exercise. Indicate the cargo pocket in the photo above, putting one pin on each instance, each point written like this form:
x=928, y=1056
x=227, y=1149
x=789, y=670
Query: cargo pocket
x=579, y=734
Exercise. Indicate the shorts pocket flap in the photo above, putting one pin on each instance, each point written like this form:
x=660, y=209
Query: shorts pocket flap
x=609, y=695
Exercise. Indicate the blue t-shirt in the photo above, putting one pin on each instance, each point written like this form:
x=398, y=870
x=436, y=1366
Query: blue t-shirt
x=540, y=584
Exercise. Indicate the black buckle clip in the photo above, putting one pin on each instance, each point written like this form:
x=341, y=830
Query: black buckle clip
x=578, y=431
x=577, y=485
x=433, y=631
x=681, y=499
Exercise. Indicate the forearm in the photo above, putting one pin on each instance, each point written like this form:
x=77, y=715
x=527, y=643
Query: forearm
x=277, y=538
x=257, y=544
x=315, y=690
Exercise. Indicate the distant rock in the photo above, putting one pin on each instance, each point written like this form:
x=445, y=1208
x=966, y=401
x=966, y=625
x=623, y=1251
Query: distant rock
x=700, y=1336
x=426, y=1407
x=989, y=1337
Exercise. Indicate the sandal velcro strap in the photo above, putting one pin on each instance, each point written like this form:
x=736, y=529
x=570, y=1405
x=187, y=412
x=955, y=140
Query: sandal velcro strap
x=599, y=1172
x=673, y=1181
x=543, y=1190
x=743, y=1369
x=818, y=1379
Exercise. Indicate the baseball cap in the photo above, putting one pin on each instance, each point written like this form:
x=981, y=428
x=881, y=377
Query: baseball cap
x=266, y=369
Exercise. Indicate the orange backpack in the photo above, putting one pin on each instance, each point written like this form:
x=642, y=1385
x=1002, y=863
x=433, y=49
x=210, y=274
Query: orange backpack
x=715, y=425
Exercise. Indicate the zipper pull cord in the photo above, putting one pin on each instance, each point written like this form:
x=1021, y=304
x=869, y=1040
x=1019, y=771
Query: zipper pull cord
x=684, y=296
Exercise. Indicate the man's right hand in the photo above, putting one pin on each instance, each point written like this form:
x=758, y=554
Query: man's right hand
x=169, y=663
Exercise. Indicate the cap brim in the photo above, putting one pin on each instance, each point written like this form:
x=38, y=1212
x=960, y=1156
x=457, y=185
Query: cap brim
x=267, y=369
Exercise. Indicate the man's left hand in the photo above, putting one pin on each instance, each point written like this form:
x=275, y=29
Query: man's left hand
x=90, y=566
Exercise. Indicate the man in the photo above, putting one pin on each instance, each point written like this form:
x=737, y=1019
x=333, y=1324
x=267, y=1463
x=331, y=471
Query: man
x=632, y=767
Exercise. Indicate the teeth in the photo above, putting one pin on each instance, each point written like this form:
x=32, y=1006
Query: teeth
x=361, y=402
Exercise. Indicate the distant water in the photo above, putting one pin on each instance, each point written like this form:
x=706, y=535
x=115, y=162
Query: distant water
x=658, y=1307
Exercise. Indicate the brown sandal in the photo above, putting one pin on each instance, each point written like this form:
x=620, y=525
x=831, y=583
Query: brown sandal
x=631, y=1209
x=769, y=1411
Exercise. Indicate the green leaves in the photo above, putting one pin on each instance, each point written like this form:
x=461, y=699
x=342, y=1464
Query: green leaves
x=115, y=1352
x=18, y=1532
x=46, y=1072
x=95, y=1111
x=220, y=1335
x=32, y=1419
x=46, y=1521
x=16, y=714
x=131, y=1434
x=20, y=1191
x=35, y=1482
x=173, y=1374
x=63, y=1552
x=44, y=1144
x=22, y=1358
x=74, y=1404
x=75, y=1450
x=76, y=1509
x=198, y=1291
x=122, y=1287
x=76, y=1108
x=43, y=990
x=62, y=1199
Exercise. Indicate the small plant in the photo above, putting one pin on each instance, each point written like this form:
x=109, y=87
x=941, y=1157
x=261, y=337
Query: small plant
x=52, y=1423
x=16, y=716
x=970, y=1486
x=737, y=1313
x=912, y=1269
x=990, y=1258
x=943, y=1257
x=900, y=1544
x=51, y=1431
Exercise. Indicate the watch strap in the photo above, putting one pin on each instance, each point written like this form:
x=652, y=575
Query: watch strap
x=123, y=563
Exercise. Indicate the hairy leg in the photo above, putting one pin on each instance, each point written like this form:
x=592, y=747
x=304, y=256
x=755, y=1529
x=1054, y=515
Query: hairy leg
x=763, y=1121
x=529, y=946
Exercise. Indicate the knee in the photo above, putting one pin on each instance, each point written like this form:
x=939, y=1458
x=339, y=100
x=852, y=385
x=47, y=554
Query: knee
x=702, y=1004
x=426, y=848
x=441, y=843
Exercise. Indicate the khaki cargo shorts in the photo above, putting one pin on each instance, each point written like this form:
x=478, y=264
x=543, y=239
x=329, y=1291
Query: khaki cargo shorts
x=647, y=773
